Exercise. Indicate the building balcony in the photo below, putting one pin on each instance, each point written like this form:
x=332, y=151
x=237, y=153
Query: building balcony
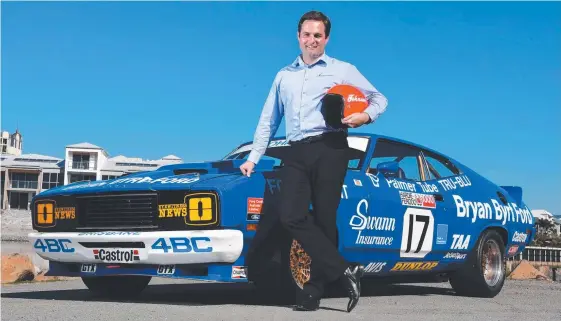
x=82, y=165
x=23, y=184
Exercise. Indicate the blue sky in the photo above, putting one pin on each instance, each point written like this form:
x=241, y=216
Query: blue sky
x=479, y=81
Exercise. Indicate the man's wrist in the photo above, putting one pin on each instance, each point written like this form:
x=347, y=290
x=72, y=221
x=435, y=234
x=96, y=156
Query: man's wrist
x=254, y=157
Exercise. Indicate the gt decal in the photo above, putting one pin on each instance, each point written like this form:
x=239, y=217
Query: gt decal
x=88, y=268
x=54, y=245
x=417, y=234
x=166, y=269
x=414, y=266
x=183, y=245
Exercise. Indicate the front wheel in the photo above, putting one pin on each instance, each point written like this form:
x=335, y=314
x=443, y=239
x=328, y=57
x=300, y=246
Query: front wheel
x=117, y=286
x=484, y=272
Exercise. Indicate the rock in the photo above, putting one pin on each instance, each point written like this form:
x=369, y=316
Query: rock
x=525, y=271
x=20, y=268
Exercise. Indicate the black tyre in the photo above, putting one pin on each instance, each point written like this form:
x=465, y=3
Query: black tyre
x=117, y=286
x=484, y=272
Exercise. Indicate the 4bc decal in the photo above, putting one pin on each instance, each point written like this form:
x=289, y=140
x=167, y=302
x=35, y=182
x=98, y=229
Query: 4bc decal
x=417, y=234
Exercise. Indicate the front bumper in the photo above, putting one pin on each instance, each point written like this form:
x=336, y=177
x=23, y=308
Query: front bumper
x=165, y=247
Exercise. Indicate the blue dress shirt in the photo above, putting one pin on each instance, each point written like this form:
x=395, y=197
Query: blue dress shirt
x=296, y=93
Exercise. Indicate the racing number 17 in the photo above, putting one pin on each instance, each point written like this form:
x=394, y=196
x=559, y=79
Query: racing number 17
x=418, y=228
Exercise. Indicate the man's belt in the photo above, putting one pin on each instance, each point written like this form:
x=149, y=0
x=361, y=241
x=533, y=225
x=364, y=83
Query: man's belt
x=319, y=137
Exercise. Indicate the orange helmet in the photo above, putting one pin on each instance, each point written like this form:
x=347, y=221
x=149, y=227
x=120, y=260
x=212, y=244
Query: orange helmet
x=355, y=101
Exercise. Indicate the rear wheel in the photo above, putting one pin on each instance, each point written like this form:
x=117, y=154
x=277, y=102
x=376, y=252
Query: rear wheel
x=484, y=272
x=117, y=286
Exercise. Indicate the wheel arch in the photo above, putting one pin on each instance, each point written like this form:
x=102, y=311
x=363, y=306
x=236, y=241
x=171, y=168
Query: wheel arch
x=499, y=229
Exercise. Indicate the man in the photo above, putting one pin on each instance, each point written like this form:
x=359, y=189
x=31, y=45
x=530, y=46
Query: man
x=316, y=162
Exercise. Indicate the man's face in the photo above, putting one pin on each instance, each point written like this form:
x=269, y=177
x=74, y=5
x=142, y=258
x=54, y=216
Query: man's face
x=312, y=38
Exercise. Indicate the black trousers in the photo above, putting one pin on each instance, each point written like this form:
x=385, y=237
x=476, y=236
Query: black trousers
x=312, y=172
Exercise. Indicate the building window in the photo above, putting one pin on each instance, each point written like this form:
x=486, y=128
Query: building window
x=108, y=177
x=81, y=177
x=81, y=161
x=24, y=180
x=50, y=180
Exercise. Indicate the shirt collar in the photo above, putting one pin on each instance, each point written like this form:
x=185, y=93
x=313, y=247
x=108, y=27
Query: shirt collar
x=323, y=60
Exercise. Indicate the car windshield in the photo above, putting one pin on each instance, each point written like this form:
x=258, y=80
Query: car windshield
x=357, y=151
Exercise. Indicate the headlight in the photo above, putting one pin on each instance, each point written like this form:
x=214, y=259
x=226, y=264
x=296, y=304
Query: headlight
x=202, y=209
x=195, y=209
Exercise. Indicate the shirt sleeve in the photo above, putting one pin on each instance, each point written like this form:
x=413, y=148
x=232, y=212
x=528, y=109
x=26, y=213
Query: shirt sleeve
x=269, y=121
x=377, y=101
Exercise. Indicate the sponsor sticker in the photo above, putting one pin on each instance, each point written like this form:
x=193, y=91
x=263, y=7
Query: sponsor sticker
x=374, y=267
x=417, y=200
x=357, y=182
x=116, y=255
x=254, y=205
x=512, y=250
x=239, y=272
x=455, y=256
x=414, y=266
x=166, y=269
x=441, y=233
x=519, y=237
x=364, y=223
x=88, y=268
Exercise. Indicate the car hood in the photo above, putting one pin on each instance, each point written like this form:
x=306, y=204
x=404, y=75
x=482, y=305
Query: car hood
x=170, y=177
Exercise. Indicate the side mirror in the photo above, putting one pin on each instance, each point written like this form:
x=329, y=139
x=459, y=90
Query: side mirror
x=391, y=168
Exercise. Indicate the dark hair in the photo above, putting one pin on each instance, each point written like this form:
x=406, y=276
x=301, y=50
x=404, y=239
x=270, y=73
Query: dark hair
x=317, y=16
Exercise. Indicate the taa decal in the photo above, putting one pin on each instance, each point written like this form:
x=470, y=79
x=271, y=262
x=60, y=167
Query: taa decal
x=239, y=272
x=166, y=269
x=54, y=245
x=460, y=242
x=417, y=234
x=183, y=244
x=414, y=266
x=116, y=255
x=374, y=267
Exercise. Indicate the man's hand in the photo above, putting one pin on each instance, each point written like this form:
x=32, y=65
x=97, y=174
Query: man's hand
x=356, y=119
x=247, y=168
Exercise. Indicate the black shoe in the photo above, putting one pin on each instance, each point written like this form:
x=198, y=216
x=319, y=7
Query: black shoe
x=351, y=281
x=307, y=302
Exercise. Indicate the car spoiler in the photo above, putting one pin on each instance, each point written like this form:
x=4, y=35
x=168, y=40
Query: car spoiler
x=515, y=192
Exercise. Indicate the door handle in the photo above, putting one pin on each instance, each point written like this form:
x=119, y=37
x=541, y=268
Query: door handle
x=438, y=197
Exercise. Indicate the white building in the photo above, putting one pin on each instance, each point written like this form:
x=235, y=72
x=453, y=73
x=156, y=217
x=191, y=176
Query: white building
x=26, y=175
x=11, y=144
x=88, y=162
x=544, y=214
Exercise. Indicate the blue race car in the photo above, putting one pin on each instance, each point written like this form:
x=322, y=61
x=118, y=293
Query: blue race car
x=407, y=213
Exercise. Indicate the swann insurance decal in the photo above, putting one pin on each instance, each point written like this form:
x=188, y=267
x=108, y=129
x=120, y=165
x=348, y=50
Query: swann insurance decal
x=366, y=224
x=474, y=210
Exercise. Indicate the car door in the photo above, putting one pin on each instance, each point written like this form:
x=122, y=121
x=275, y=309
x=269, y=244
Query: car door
x=396, y=224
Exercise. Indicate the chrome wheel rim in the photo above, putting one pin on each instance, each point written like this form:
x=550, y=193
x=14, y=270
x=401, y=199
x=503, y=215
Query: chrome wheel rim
x=492, y=262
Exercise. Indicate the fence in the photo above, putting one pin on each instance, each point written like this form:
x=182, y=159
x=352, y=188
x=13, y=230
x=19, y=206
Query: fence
x=542, y=256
